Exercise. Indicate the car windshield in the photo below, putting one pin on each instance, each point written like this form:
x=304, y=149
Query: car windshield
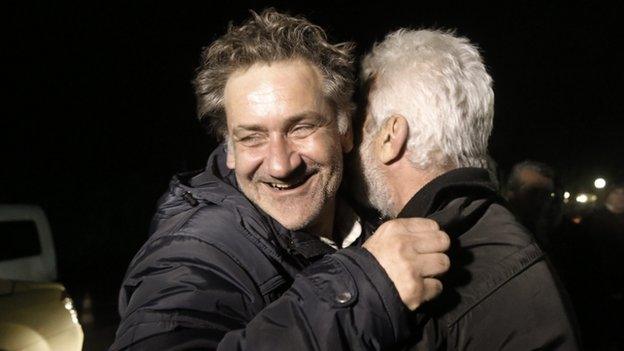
x=18, y=239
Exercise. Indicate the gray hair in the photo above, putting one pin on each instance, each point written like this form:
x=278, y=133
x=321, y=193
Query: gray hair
x=438, y=82
x=266, y=38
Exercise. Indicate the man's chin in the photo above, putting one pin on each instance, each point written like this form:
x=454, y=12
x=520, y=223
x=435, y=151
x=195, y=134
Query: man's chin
x=292, y=218
x=301, y=224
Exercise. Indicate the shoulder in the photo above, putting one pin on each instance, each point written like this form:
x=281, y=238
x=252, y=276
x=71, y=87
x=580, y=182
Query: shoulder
x=203, y=251
x=527, y=311
x=503, y=286
x=496, y=238
x=498, y=222
x=185, y=276
x=226, y=227
x=205, y=243
x=495, y=252
x=208, y=238
x=201, y=237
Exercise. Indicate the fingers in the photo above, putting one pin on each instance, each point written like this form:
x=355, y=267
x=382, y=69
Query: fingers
x=428, y=289
x=430, y=242
x=433, y=264
x=415, y=225
x=427, y=236
x=411, y=252
x=400, y=226
x=431, y=288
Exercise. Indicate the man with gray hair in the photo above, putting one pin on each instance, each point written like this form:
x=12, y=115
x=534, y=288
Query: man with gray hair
x=424, y=154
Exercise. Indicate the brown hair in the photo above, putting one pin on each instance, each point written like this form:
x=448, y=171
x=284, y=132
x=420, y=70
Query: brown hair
x=265, y=38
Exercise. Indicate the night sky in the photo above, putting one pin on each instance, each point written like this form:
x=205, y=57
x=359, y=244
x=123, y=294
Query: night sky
x=99, y=111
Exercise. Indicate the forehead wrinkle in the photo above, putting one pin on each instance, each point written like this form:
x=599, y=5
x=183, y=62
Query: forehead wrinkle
x=268, y=100
x=266, y=93
x=272, y=94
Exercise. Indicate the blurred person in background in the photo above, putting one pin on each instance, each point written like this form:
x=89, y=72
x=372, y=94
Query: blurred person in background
x=536, y=199
x=534, y=194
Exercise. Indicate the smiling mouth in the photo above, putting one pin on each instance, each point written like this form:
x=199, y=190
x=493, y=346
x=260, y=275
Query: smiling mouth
x=288, y=186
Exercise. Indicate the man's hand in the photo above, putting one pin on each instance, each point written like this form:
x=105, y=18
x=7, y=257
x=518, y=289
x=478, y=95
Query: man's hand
x=411, y=252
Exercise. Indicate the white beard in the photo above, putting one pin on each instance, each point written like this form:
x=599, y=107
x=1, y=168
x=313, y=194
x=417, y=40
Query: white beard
x=375, y=188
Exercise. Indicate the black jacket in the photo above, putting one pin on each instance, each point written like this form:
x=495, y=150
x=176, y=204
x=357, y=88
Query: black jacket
x=218, y=274
x=501, y=293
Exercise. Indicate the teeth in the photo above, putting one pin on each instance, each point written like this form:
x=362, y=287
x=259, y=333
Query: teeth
x=287, y=186
x=281, y=186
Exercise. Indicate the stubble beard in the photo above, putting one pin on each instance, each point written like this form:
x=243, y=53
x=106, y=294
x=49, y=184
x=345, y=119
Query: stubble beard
x=299, y=212
x=374, y=189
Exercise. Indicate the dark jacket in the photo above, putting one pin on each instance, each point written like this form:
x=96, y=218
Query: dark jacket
x=500, y=293
x=219, y=274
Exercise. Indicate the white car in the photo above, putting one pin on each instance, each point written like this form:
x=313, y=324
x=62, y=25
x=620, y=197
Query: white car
x=35, y=313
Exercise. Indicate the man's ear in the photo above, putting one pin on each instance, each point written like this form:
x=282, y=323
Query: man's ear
x=231, y=159
x=394, y=134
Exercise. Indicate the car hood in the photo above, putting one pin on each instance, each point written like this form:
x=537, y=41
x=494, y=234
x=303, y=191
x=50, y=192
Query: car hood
x=16, y=286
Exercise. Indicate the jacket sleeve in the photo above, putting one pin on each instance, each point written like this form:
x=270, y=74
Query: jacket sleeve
x=176, y=299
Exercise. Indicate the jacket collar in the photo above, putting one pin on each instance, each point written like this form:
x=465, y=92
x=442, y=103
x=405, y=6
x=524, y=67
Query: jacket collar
x=438, y=192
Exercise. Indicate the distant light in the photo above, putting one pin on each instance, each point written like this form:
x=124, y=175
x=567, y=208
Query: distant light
x=600, y=183
x=593, y=198
x=582, y=198
x=566, y=195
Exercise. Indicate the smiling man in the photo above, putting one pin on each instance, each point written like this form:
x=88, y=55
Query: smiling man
x=258, y=251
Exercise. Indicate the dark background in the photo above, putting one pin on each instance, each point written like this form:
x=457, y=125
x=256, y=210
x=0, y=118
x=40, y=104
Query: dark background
x=98, y=109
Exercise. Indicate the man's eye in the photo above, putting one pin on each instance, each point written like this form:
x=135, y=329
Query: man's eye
x=250, y=140
x=303, y=130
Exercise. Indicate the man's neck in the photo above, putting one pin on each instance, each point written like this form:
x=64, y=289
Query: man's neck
x=347, y=227
x=325, y=224
x=410, y=182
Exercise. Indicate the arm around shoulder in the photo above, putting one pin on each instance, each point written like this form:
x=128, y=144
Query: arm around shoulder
x=181, y=293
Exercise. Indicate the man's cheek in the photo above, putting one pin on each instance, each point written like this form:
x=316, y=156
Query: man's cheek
x=248, y=162
x=231, y=159
x=320, y=146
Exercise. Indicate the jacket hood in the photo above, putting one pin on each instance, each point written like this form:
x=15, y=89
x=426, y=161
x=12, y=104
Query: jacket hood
x=213, y=184
x=216, y=184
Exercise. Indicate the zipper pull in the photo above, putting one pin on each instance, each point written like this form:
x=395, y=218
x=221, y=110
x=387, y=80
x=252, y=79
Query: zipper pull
x=190, y=199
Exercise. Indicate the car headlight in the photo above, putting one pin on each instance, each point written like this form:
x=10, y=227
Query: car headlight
x=68, y=303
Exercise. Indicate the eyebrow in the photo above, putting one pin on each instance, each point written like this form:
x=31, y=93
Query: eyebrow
x=289, y=122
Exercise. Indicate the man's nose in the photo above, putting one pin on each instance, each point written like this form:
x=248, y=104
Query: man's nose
x=283, y=157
